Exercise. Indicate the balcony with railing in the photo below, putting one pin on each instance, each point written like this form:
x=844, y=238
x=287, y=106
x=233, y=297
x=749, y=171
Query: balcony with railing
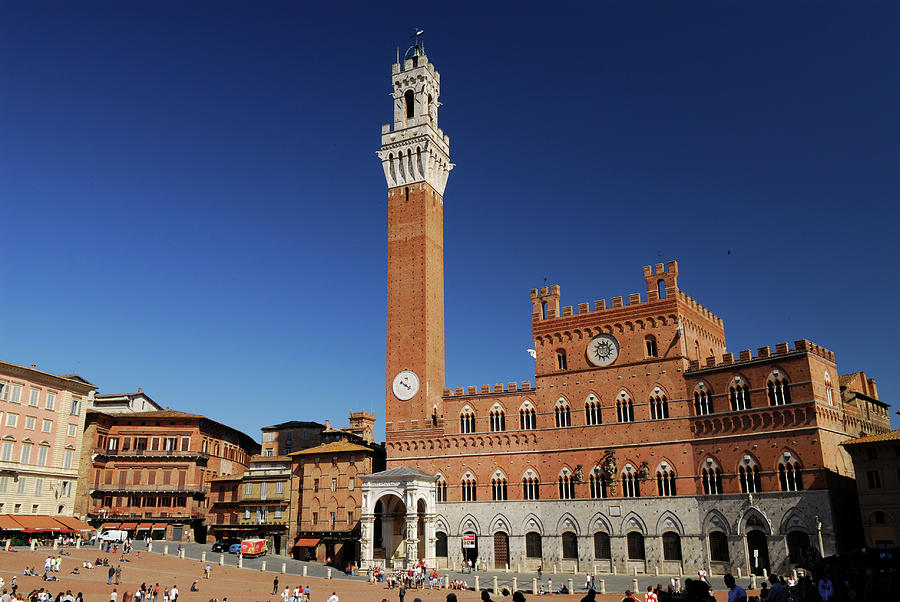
x=121, y=488
x=168, y=454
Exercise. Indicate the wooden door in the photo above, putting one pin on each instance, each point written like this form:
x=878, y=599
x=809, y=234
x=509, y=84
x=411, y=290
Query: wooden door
x=501, y=550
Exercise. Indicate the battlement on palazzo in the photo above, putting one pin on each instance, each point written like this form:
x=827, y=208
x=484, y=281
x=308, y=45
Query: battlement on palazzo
x=471, y=390
x=781, y=349
x=545, y=301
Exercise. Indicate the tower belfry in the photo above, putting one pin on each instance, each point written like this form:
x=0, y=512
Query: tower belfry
x=415, y=155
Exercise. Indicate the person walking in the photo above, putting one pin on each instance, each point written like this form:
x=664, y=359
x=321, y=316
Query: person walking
x=275, y=586
x=333, y=597
x=736, y=593
x=113, y=595
x=118, y=574
x=206, y=570
x=402, y=591
x=173, y=595
x=111, y=573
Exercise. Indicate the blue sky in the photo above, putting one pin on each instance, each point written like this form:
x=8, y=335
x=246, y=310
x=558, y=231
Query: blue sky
x=192, y=204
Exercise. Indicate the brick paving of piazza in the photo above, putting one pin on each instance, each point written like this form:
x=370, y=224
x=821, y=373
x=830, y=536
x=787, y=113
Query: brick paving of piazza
x=251, y=584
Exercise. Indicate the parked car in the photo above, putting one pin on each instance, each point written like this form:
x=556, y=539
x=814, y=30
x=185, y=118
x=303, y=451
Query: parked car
x=235, y=548
x=224, y=545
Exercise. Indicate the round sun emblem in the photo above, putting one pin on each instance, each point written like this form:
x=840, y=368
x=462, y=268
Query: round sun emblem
x=603, y=350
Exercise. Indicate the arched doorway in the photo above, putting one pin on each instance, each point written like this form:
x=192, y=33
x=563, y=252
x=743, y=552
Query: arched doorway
x=501, y=550
x=798, y=547
x=470, y=547
x=757, y=552
x=390, y=535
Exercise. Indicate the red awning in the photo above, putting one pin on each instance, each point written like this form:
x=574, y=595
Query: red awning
x=306, y=542
x=128, y=526
x=8, y=523
x=39, y=523
x=110, y=525
x=143, y=526
x=158, y=526
x=73, y=523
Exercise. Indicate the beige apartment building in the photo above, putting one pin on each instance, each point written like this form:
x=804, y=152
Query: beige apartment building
x=41, y=421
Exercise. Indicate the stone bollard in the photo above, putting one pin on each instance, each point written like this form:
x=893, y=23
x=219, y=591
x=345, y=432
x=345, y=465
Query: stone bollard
x=262, y=566
x=571, y=584
x=794, y=574
x=515, y=585
x=740, y=576
x=534, y=589
x=32, y=545
x=518, y=567
x=477, y=583
x=181, y=553
x=240, y=562
x=554, y=569
x=753, y=581
x=221, y=559
x=634, y=586
x=304, y=570
x=203, y=556
x=149, y=546
x=77, y=544
x=602, y=586
x=328, y=574
x=283, y=568
x=657, y=570
x=55, y=544
x=496, y=590
x=635, y=571
x=507, y=567
x=766, y=574
x=166, y=550
x=614, y=570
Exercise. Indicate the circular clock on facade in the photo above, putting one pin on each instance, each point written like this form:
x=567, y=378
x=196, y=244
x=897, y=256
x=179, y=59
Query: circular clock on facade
x=406, y=385
x=603, y=350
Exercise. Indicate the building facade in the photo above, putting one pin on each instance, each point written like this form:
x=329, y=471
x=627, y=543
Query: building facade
x=643, y=445
x=41, y=421
x=876, y=461
x=149, y=472
x=123, y=403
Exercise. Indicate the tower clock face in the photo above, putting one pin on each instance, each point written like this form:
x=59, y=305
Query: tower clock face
x=406, y=385
x=603, y=350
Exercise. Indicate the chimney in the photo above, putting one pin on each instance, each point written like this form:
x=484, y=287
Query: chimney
x=33, y=366
x=140, y=390
x=873, y=389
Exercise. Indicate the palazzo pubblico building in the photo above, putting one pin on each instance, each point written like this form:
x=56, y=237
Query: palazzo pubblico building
x=643, y=443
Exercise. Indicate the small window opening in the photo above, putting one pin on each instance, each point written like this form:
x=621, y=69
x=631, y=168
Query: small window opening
x=406, y=192
x=661, y=287
x=410, y=104
x=543, y=310
x=561, y=359
x=651, y=346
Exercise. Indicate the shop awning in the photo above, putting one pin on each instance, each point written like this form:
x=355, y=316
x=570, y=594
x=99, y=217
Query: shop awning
x=128, y=526
x=8, y=523
x=144, y=526
x=158, y=527
x=34, y=524
x=73, y=523
x=110, y=525
x=306, y=542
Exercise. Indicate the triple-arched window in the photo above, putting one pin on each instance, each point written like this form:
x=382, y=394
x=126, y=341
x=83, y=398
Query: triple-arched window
x=563, y=414
x=778, y=389
x=498, y=487
x=624, y=408
x=467, y=421
x=739, y=394
x=711, y=476
x=469, y=488
x=592, y=410
x=599, y=484
x=441, y=489
x=789, y=474
x=665, y=481
x=527, y=417
x=566, y=486
x=631, y=485
x=702, y=400
x=498, y=419
x=749, y=475
x=531, y=486
x=659, y=405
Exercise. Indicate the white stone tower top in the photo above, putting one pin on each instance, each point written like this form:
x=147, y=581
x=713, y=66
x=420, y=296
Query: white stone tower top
x=415, y=149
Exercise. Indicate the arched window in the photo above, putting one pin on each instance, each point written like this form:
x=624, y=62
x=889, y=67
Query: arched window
x=624, y=407
x=498, y=487
x=748, y=473
x=661, y=288
x=636, y=546
x=531, y=486
x=659, y=405
x=829, y=389
x=601, y=546
x=599, y=484
x=671, y=546
x=702, y=401
x=778, y=389
x=561, y=359
x=563, y=415
x=410, y=100
x=739, y=394
x=789, y=474
x=665, y=480
x=711, y=475
x=566, y=486
x=440, y=544
x=441, y=489
x=569, y=546
x=592, y=411
x=469, y=489
x=498, y=419
x=533, y=545
x=718, y=547
x=650, y=346
x=467, y=421
x=526, y=417
x=631, y=485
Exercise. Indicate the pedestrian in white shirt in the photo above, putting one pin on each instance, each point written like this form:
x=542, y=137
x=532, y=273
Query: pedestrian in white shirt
x=333, y=598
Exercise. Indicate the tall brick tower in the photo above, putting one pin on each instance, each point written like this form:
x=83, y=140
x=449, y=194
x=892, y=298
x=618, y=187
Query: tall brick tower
x=415, y=155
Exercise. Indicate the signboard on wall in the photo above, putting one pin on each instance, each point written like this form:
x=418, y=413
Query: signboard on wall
x=468, y=541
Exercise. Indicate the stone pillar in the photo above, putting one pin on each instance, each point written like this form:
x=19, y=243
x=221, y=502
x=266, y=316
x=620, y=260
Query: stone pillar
x=515, y=585
x=283, y=568
x=534, y=586
x=634, y=587
x=753, y=581
x=221, y=559
x=328, y=573
x=496, y=590
x=602, y=586
x=571, y=585
x=477, y=583
x=55, y=544
x=304, y=570
x=262, y=566
x=77, y=543
x=412, y=536
x=166, y=550
x=240, y=562
x=149, y=546
x=740, y=576
x=32, y=544
x=203, y=556
x=181, y=553
x=366, y=540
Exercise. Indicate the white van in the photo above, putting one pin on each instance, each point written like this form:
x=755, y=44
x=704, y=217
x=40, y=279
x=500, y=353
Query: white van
x=113, y=535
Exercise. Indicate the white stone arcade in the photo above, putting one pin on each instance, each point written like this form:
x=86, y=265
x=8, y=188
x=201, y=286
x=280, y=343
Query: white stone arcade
x=397, y=522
